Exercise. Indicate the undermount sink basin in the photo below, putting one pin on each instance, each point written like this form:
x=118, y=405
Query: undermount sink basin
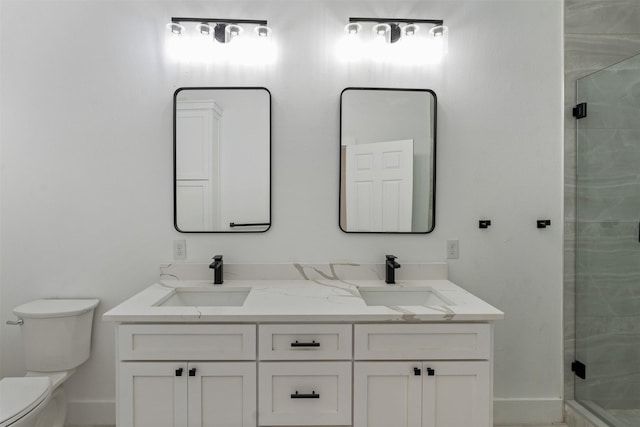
x=402, y=296
x=206, y=297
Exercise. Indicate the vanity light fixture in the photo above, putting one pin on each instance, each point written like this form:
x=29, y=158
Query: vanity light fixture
x=223, y=30
x=391, y=31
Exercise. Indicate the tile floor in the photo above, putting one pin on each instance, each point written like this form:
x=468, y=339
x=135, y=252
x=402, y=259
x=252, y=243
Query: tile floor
x=626, y=416
x=536, y=425
x=554, y=425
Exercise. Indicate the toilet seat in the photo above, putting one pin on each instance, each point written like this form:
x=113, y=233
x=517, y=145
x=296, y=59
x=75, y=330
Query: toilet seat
x=56, y=378
x=20, y=396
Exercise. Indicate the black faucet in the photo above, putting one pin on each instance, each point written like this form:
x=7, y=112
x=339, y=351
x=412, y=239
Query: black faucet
x=217, y=269
x=391, y=266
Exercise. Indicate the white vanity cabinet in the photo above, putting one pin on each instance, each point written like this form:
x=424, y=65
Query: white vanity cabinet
x=333, y=374
x=186, y=375
x=422, y=375
x=304, y=353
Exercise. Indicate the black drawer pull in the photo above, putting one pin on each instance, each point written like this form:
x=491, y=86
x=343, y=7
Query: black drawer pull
x=192, y=372
x=305, y=344
x=179, y=372
x=313, y=395
x=431, y=372
x=417, y=371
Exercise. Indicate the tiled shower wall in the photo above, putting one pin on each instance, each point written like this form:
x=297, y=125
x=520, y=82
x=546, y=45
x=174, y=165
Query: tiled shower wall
x=598, y=33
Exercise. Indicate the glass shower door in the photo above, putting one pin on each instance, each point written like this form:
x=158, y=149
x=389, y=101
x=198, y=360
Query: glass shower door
x=608, y=243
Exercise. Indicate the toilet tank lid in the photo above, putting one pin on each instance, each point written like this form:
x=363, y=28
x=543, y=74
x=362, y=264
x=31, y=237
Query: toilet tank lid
x=44, y=308
x=20, y=395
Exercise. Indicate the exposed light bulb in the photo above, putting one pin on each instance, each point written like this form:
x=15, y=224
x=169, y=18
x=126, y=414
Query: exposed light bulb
x=440, y=35
x=234, y=30
x=438, y=31
x=175, y=28
x=382, y=32
x=353, y=28
x=410, y=30
x=263, y=31
x=204, y=28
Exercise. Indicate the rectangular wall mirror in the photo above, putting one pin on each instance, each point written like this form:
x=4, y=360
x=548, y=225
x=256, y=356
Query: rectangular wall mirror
x=222, y=159
x=387, y=160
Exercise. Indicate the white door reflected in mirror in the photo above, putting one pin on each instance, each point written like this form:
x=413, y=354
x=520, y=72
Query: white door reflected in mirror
x=387, y=160
x=379, y=184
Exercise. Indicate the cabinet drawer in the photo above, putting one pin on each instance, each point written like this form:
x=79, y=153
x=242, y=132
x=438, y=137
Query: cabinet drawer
x=432, y=341
x=305, y=393
x=304, y=342
x=187, y=342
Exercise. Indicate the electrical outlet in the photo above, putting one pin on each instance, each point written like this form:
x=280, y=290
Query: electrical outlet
x=452, y=249
x=179, y=249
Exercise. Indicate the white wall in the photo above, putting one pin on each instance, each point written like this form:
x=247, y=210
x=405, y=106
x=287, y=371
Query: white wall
x=86, y=154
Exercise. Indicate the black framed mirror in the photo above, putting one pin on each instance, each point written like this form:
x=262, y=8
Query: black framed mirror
x=222, y=159
x=387, y=160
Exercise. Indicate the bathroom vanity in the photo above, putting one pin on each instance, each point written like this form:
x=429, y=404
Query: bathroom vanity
x=304, y=352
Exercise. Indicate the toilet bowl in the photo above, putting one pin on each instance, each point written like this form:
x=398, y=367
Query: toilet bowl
x=22, y=400
x=56, y=338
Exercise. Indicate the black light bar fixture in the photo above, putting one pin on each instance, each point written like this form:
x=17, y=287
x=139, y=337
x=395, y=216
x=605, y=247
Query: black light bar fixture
x=222, y=30
x=393, y=30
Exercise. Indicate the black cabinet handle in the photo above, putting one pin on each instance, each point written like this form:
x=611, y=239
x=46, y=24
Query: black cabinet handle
x=192, y=372
x=431, y=372
x=179, y=372
x=639, y=232
x=305, y=344
x=417, y=371
x=313, y=395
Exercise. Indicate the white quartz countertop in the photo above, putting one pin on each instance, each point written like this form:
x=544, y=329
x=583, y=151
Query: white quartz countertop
x=303, y=301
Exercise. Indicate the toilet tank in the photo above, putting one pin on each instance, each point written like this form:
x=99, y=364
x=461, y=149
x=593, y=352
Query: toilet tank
x=56, y=333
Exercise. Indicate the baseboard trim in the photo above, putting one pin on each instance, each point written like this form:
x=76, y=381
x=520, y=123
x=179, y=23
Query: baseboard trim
x=91, y=412
x=527, y=411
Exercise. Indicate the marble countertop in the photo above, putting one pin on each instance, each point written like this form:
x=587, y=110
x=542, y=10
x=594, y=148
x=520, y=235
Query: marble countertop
x=303, y=301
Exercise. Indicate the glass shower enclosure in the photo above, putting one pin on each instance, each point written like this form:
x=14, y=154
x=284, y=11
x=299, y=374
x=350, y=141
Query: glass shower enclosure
x=608, y=244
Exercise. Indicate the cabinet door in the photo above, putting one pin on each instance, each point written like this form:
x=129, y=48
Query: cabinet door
x=305, y=393
x=422, y=394
x=152, y=394
x=387, y=394
x=222, y=394
x=456, y=394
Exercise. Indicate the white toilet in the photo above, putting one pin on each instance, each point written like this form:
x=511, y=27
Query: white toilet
x=56, y=337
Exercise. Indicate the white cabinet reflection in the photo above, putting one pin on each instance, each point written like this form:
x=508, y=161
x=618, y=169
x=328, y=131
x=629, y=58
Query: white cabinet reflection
x=222, y=161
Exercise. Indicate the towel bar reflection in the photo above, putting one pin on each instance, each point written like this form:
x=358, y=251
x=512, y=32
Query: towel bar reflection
x=255, y=224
